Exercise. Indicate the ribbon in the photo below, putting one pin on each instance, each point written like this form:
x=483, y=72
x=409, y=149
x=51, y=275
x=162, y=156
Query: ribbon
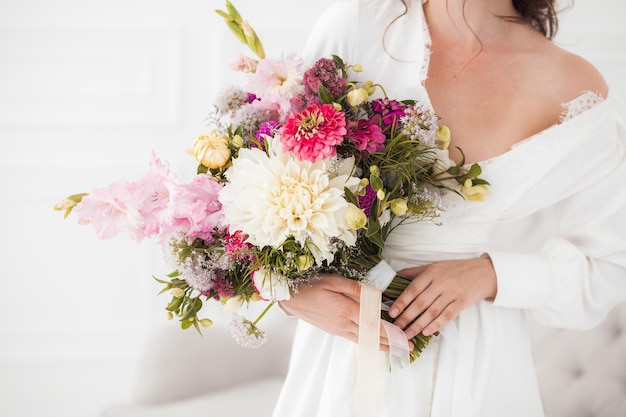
x=366, y=390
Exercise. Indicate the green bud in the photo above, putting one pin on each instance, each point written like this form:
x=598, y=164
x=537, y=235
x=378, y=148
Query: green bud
x=178, y=292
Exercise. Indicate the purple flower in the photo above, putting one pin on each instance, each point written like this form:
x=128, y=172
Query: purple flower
x=268, y=128
x=222, y=286
x=389, y=110
x=367, y=200
x=252, y=97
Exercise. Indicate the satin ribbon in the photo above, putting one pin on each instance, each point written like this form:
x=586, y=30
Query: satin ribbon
x=367, y=391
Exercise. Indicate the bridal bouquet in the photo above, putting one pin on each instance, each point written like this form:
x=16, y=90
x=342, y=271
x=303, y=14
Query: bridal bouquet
x=302, y=171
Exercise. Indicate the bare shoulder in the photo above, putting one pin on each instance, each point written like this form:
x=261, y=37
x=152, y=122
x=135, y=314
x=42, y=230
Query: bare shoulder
x=568, y=75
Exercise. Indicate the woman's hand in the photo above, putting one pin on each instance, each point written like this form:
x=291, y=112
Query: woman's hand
x=440, y=291
x=331, y=304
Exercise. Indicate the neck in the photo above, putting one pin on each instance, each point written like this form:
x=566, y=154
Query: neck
x=468, y=22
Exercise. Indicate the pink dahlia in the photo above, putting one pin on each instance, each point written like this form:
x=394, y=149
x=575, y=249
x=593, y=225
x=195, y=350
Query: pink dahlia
x=366, y=135
x=314, y=132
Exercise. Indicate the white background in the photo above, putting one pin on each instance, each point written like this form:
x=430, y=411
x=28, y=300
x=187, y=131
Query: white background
x=87, y=90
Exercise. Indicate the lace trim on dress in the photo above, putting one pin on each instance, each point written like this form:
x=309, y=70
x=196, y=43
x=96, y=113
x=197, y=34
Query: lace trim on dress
x=427, y=44
x=585, y=101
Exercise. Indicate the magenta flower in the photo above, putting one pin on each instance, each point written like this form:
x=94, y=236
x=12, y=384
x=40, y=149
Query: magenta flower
x=367, y=200
x=267, y=129
x=366, y=135
x=390, y=110
x=314, y=132
x=236, y=246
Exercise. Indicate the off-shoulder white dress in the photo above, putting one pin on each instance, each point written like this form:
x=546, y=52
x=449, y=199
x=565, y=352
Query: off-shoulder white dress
x=554, y=224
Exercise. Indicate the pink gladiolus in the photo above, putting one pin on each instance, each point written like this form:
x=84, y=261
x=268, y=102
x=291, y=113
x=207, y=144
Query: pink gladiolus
x=196, y=210
x=112, y=210
x=314, y=132
x=278, y=81
x=154, y=189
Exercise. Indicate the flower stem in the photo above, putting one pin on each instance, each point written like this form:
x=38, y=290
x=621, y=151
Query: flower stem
x=263, y=312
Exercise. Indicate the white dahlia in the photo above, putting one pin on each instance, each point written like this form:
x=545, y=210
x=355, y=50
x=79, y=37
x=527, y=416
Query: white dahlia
x=273, y=197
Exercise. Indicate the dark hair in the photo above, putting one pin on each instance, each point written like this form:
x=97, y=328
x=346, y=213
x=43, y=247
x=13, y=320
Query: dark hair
x=540, y=14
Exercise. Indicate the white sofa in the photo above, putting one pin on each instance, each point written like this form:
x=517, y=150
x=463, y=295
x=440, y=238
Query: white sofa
x=582, y=374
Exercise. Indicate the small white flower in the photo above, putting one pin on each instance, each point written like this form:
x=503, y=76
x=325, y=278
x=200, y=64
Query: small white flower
x=246, y=333
x=384, y=217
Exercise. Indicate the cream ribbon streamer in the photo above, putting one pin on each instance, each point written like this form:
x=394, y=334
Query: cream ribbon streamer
x=367, y=390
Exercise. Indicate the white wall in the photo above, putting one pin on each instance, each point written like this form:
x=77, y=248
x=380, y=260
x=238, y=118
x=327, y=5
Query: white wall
x=87, y=90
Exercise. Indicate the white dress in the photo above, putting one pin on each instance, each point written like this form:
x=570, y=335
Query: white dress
x=554, y=224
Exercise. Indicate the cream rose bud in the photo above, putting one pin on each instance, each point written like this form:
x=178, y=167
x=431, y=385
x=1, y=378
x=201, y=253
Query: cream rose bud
x=178, y=292
x=212, y=150
x=443, y=134
x=357, y=96
x=304, y=262
x=474, y=192
x=233, y=303
x=355, y=217
x=237, y=141
x=399, y=207
x=270, y=286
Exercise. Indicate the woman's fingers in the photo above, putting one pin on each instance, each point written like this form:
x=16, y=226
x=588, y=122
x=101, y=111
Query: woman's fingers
x=439, y=292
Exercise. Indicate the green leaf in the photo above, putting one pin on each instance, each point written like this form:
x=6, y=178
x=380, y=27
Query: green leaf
x=185, y=324
x=325, y=95
x=233, y=12
x=202, y=169
x=174, y=305
x=237, y=31
x=350, y=196
x=474, y=171
x=224, y=15
x=455, y=170
x=462, y=156
x=479, y=181
x=377, y=240
x=338, y=61
x=376, y=182
x=373, y=228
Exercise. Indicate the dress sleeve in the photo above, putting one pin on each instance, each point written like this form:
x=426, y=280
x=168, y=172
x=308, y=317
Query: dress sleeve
x=580, y=272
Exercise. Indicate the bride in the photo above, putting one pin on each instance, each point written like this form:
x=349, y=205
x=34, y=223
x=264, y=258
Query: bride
x=547, y=244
